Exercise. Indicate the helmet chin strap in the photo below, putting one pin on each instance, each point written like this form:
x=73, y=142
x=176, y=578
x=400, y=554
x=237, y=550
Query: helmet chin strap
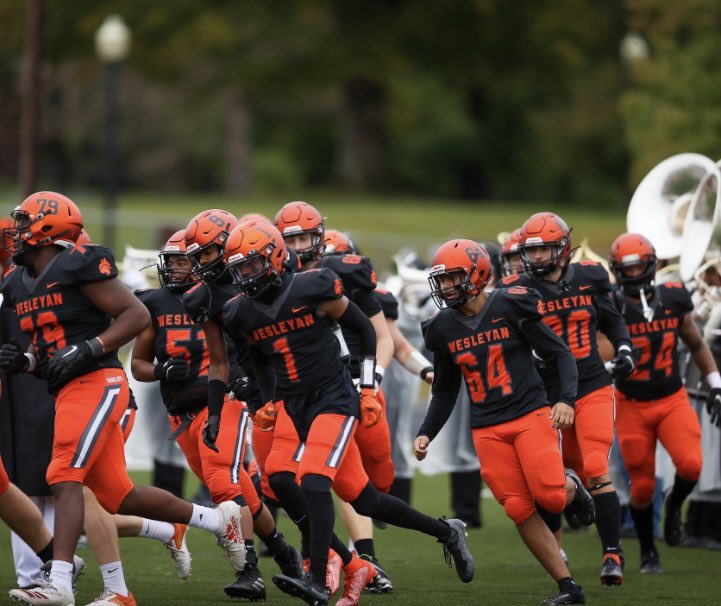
x=647, y=311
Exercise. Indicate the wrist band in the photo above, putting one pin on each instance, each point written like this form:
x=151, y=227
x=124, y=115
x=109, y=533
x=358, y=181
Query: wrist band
x=425, y=371
x=713, y=379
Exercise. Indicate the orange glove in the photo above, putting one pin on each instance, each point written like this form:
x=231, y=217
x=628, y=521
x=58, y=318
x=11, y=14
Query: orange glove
x=265, y=417
x=370, y=408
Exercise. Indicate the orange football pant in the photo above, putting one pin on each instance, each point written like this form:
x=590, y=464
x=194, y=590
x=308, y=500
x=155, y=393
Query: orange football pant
x=223, y=472
x=674, y=423
x=586, y=445
x=4, y=480
x=88, y=446
x=521, y=463
x=374, y=444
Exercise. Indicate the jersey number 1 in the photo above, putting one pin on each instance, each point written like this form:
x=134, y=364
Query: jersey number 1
x=496, y=373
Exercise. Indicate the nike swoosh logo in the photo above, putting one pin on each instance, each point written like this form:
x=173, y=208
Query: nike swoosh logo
x=295, y=310
x=584, y=287
x=50, y=285
x=494, y=320
x=113, y=570
x=73, y=349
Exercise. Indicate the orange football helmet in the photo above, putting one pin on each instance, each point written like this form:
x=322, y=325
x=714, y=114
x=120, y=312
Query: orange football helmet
x=254, y=217
x=42, y=219
x=83, y=238
x=255, y=255
x=205, y=230
x=177, y=279
x=630, y=250
x=296, y=218
x=337, y=243
x=545, y=229
x=467, y=265
x=6, y=244
x=511, y=255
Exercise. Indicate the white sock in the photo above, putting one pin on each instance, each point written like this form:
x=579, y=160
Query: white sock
x=160, y=531
x=113, y=578
x=205, y=518
x=61, y=575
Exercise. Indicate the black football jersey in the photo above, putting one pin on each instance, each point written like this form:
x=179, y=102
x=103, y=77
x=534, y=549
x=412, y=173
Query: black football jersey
x=299, y=343
x=177, y=336
x=359, y=281
x=493, y=352
x=657, y=373
x=389, y=304
x=576, y=307
x=52, y=309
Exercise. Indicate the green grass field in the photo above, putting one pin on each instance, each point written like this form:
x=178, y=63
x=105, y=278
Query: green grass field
x=505, y=572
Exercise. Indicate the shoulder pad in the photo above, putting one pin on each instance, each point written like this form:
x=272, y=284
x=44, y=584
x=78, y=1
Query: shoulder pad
x=197, y=302
x=230, y=311
x=389, y=304
x=678, y=294
x=322, y=283
x=511, y=280
x=523, y=303
x=431, y=328
x=356, y=271
x=87, y=263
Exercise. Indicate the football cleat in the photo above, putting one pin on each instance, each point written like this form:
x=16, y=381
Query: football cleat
x=672, y=531
x=46, y=594
x=582, y=504
x=382, y=582
x=292, y=564
x=612, y=569
x=455, y=550
x=332, y=574
x=569, y=592
x=304, y=588
x=651, y=562
x=248, y=585
x=78, y=568
x=108, y=598
x=229, y=535
x=355, y=582
x=179, y=551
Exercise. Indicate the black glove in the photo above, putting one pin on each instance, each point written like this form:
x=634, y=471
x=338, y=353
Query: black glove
x=623, y=363
x=12, y=357
x=210, y=431
x=176, y=370
x=713, y=405
x=66, y=363
x=239, y=388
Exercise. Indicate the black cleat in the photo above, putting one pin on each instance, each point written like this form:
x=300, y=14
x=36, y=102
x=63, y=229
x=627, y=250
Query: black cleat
x=612, y=569
x=291, y=565
x=569, y=592
x=672, y=531
x=303, y=588
x=248, y=585
x=582, y=504
x=455, y=548
x=651, y=562
x=382, y=582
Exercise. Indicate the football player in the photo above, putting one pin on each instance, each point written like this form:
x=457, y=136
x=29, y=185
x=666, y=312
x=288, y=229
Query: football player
x=303, y=230
x=196, y=420
x=77, y=313
x=487, y=339
x=511, y=263
x=287, y=320
x=577, y=303
x=652, y=402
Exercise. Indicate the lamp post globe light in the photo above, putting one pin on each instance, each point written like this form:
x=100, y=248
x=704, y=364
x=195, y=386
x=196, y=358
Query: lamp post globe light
x=112, y=44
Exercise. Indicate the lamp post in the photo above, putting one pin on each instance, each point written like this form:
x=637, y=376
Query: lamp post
x=112, y=44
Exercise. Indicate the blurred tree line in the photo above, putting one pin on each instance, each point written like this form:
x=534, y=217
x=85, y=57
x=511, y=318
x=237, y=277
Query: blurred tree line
x=527, y=100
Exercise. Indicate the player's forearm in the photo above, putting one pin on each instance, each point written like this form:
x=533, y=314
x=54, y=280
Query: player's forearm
x=704, y=360
x=127, y=325
x=384, y=341
x=142, y=370
x=355, y=320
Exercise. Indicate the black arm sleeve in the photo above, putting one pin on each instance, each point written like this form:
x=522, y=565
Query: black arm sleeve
x=446, y=383
x=264, y=374
x=552, y=349
x=611, y=322
x=355, y=320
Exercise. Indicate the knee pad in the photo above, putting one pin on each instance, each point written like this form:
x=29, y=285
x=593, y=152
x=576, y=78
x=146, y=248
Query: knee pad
x=367, y=502
x=553, y=501
x=689, y=468
x=519, y=509
x=279, y=482
x=642, y=488
x=314, y=483
x=595, y=463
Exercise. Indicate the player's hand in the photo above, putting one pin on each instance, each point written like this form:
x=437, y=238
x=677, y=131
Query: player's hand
x=13, y=358
x=428, y=378
x=420, y=447
x=67, y=362
x=561, y=416
x=210, y=431
x=623, y=364
x=239, y=389
x=370, y=408
x=265, y=417
x=175, y=370
x=713, y=405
